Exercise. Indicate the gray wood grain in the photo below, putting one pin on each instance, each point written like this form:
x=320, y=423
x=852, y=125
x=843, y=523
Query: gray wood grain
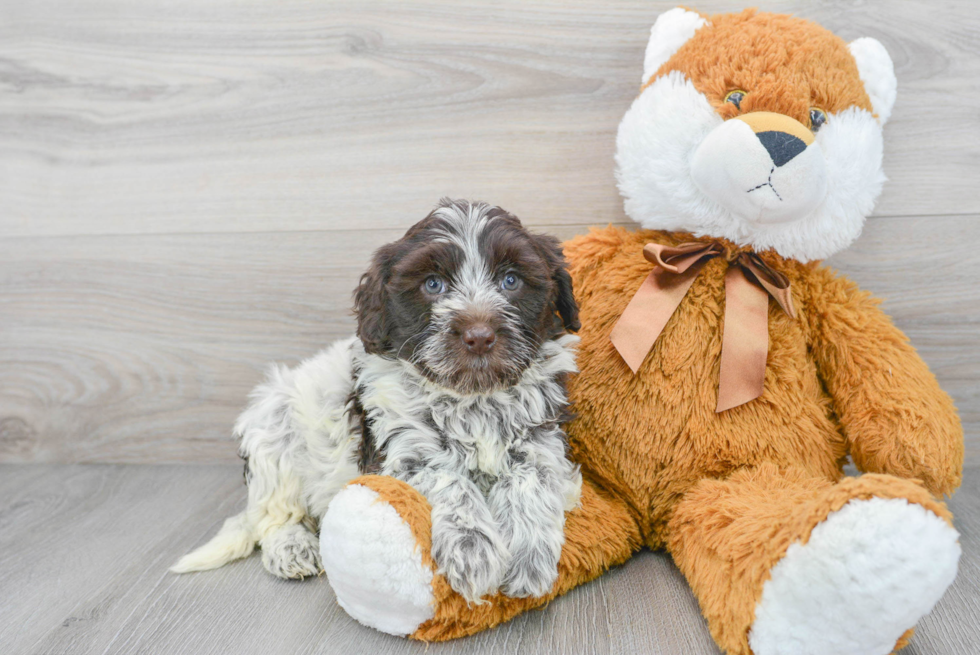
x=153, y=117
x=84, y=551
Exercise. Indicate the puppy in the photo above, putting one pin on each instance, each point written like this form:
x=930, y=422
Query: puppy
x=454, y=384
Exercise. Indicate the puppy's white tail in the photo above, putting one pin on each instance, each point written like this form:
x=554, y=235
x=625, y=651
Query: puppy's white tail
x=234, y=540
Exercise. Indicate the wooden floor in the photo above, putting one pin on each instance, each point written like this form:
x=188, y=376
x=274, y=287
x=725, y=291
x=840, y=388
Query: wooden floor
x=84, y=551
x=189, y=190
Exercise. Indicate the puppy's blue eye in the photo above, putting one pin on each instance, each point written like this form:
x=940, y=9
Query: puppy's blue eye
x=434, y=285
x=510, y=282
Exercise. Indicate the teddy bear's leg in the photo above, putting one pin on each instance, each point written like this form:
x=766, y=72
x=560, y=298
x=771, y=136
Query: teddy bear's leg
x=375, y=545
x=782, y=562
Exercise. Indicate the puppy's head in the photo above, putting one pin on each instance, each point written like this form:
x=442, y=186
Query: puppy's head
x=467, y=296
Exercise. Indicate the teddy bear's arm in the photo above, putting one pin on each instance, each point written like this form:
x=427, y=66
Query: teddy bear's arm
x=895, y=417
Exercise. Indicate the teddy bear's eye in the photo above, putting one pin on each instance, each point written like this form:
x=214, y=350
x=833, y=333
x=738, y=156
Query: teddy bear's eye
x=735, y=97
x=817, y=118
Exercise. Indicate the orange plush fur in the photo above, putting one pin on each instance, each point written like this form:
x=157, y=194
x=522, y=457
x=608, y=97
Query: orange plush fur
x=789, y=64
x=727, y=493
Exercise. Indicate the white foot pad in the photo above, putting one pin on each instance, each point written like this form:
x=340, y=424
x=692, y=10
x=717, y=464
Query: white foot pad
x=868, y=573
x=373, y=563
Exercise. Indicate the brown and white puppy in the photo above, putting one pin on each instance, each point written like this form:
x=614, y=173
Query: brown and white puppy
x=467, y=295
x=454, y=384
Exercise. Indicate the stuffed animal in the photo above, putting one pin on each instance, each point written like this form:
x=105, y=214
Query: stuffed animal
x=725, y=374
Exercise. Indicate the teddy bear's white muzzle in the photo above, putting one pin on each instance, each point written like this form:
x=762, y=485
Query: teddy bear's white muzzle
x=764, y=178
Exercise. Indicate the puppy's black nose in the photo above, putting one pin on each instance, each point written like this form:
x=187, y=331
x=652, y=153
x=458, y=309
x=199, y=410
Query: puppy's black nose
x=781, y=146
x=479, y=338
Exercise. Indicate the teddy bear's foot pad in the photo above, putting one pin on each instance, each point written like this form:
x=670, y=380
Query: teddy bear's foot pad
x=869, y=572
x=374, y=564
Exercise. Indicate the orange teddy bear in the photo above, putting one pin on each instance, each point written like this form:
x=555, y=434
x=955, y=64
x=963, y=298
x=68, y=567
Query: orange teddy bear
x=753, y=151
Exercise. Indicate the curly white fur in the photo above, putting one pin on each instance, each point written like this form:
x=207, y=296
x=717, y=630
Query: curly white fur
x=492, y=466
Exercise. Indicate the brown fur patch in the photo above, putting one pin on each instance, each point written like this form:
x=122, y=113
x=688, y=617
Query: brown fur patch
x=783, y=63
x=840, y=378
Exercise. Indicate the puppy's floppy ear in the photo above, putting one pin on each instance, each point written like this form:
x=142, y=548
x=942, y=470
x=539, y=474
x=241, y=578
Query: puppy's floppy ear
x=370, y=300
x=565, y=299
x=563, y=296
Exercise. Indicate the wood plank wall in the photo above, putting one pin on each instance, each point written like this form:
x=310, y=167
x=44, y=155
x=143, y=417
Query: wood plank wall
x=189, y=190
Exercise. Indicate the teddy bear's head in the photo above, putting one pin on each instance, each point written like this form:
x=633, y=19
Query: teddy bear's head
x=763, y=129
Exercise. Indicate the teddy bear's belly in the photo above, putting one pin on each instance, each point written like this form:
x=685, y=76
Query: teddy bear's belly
x=651, y=436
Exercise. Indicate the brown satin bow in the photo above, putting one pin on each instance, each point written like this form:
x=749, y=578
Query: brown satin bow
x=745, y=344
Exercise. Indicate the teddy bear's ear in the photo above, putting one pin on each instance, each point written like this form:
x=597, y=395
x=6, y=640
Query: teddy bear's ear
x=672, y=30
x=877, y=74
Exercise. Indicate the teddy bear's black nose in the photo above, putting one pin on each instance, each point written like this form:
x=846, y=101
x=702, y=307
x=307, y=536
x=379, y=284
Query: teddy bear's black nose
x=781, y=146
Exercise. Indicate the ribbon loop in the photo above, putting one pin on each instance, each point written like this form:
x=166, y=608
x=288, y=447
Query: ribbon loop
x=745, y=342
x=774, y=282
x=677, y=259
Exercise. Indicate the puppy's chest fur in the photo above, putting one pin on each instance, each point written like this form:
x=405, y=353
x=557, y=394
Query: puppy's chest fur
x=407, y=423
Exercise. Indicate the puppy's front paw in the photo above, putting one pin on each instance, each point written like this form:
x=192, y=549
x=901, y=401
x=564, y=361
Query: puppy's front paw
x=472, y=560
x=291, y=552
x=532, y=572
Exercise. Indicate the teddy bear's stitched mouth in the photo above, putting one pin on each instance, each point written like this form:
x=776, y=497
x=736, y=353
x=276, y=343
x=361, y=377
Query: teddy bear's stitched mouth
x=768, y=183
